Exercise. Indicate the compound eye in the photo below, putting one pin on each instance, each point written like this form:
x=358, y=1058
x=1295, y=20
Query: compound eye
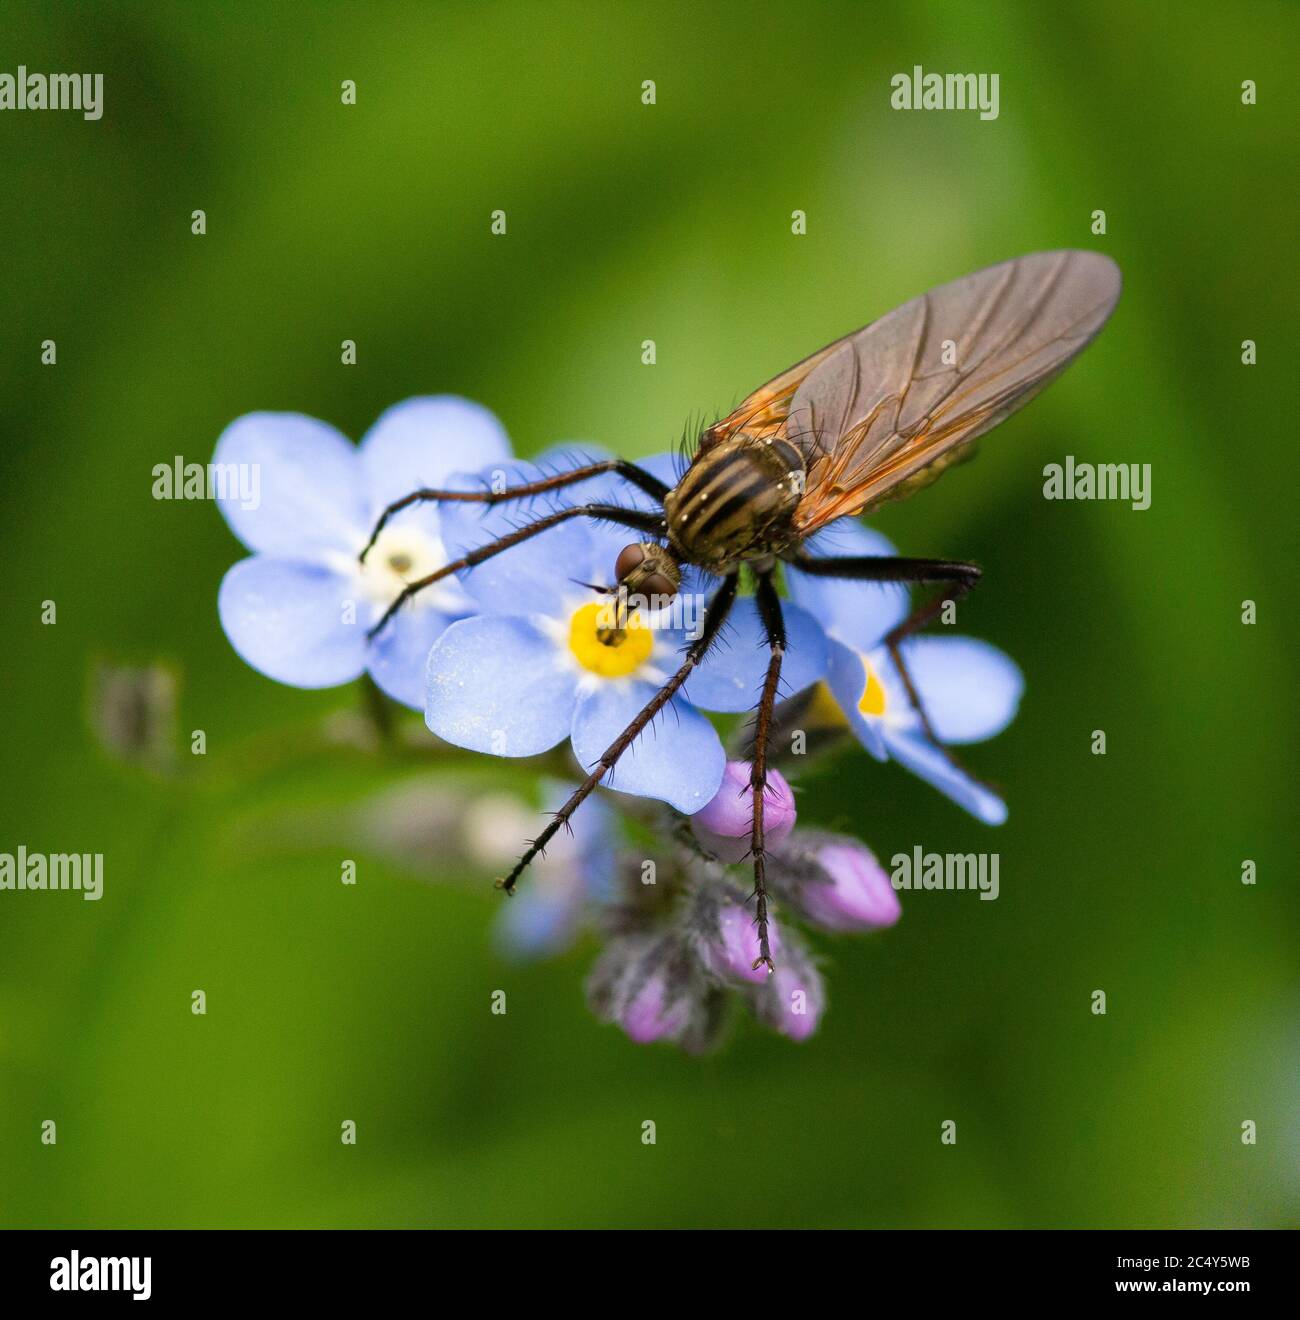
x=656, y=585
x=629, y=557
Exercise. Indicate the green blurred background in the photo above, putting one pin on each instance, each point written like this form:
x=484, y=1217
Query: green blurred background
x=668, y=222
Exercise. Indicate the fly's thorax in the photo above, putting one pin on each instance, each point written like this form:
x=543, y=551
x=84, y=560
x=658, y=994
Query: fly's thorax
x=735, y=501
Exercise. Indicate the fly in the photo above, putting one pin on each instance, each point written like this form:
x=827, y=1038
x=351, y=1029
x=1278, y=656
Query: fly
x=870, y=418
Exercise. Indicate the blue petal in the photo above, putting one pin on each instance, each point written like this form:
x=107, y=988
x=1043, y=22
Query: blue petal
x=921, y=757
x=422, y=441
x=970, y=689
x=731, y=676
x=466, y=524
x=286, y=619
x=859, y=613
x=679, y=759
x=846, y=678
x=497, y=683
x=310, y=495
x=398, y=660
x=537, y=576
x=847, y=536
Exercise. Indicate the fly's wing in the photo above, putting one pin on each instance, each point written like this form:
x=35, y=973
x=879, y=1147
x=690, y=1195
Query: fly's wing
x=766, y=409
x=890, y=407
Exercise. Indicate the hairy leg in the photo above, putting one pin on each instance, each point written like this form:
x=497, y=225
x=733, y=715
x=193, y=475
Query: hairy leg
x=620, y=467
x=769, y=608
x=719, y=608
x=650, y=523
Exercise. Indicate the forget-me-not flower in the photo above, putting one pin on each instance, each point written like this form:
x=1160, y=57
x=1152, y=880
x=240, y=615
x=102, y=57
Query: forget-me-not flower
x=970, y=689
x=299, y=608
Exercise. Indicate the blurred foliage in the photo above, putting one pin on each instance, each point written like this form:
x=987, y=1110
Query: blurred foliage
x=629, y=222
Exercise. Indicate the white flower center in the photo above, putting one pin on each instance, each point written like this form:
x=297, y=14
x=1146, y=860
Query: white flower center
x=401, y=556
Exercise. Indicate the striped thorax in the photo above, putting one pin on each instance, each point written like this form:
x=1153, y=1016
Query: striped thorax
x=735, y=502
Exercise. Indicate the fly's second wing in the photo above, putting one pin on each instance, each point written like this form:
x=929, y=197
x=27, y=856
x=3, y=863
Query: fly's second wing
x=896, y=403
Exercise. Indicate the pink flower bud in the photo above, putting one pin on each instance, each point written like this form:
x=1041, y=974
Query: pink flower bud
x=852, y=892
x=647, y=1016
x=724, y=826
x=799, y=1001
x=732, y=954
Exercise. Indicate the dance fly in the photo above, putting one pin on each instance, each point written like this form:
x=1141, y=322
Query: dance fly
x=872, y=417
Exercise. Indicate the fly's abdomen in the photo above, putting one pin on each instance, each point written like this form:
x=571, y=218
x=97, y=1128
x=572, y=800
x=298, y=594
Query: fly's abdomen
x=735, y=501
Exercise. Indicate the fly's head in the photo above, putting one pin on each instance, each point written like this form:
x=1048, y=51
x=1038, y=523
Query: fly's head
x=648, y=574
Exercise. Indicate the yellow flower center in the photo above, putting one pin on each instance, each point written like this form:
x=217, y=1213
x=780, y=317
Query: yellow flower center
x=604, y=648
x=824, y=711
x=872, y=701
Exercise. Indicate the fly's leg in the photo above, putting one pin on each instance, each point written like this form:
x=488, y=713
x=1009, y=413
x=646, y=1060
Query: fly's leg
x=769, y=609
x=715, y=615
x=628, y=471
x=650, y=523
x=958, y=580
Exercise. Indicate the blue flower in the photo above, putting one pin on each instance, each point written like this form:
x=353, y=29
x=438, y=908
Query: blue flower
x=970, y=689
x=298, y=609
x=535, y=665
